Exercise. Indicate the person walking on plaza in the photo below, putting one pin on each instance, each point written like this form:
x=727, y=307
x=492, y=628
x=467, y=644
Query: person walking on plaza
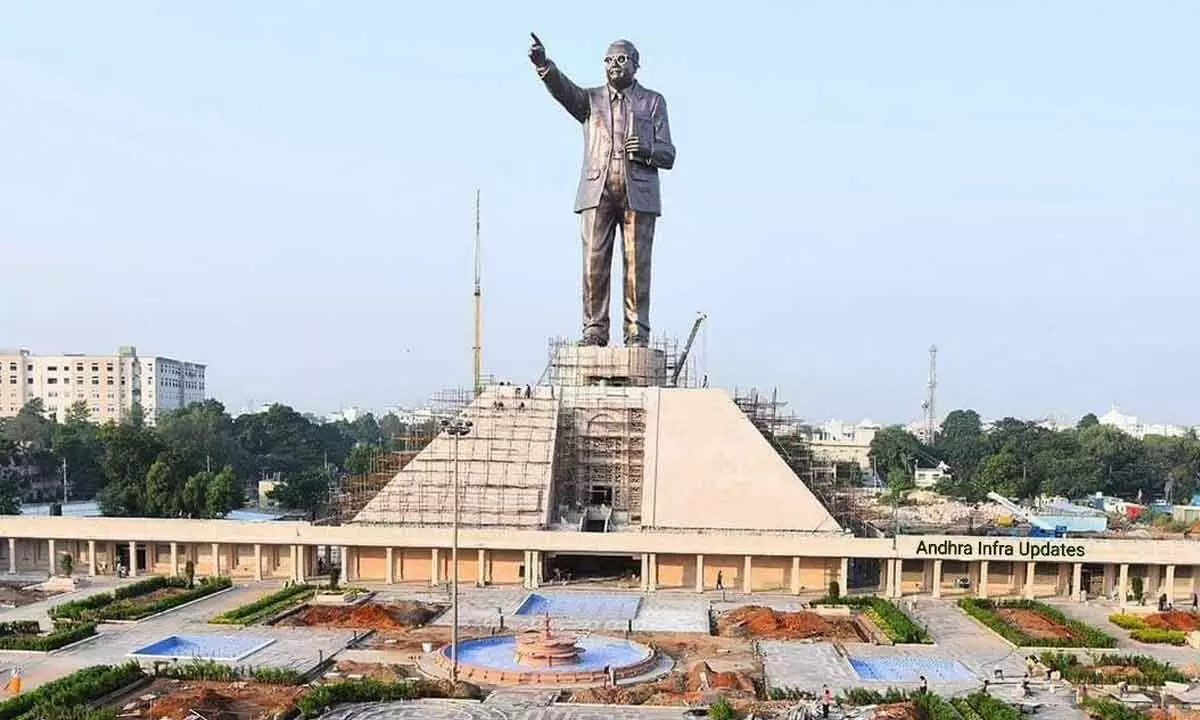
x=720, y=580
x=826, y=700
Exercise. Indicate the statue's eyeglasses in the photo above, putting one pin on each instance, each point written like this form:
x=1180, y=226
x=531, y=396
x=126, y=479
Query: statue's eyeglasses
x=616, y=59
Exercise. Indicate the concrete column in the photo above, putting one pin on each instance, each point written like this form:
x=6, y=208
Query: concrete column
x=50, y=545
x=92, y=558
x=644, y=573
x=133, y=566
x=747, y=569
x=981, y=591
x=843, y=575
x=1030, y=579
x=1123, y=583
x=652, y=567
x=174, y=559
x=937, y=578
x=897, y=577
x=389, y=574
x=481, y=568
x=12, y=556
x=258, y=562
x=700, y=573
x=216, y=558
x=1110, y=579
x=795, y=575
x=344, y=554
x=292, y=559
x=1192, y=581
x=1169, y=583
x=536, y=556
x=1153, y=582
x=435, y=567
x=301, y=563
x=1077, y=579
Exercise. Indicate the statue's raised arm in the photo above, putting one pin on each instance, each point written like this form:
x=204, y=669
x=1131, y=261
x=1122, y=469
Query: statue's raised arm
x=568, y=94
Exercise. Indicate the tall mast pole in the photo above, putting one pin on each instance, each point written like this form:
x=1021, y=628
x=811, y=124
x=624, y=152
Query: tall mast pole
x=478, y=359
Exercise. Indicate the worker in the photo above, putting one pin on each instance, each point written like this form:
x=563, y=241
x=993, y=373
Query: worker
x=14, y=682
x=924, y=686
x=720, y=580
x=826, y=700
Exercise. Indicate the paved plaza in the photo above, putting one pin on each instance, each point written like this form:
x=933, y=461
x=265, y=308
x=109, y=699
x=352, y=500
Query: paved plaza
x=452, y=710
x=298, y=648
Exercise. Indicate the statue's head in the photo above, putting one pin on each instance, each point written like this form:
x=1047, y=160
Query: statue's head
x=620, y=64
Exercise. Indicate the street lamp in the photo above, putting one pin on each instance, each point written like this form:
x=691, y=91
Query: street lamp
x=456, y=428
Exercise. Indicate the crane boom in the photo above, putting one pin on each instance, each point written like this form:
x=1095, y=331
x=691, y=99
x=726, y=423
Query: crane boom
x=687, y=348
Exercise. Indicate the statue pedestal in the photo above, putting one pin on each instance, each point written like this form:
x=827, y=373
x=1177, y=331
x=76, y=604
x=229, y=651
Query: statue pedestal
x=584, y=365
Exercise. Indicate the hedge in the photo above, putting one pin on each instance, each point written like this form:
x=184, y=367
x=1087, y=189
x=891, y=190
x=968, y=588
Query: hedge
x=219, y=672
x=265, y=607
x=989, y=708
x=1149, y=670
x=894, y=623
x=63, y=634
x=326, y=696
x=20, y=627
x=123, y=604
x=1084, y=635
x=70, y=692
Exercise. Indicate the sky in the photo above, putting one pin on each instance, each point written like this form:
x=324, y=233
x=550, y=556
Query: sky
x=284, y=191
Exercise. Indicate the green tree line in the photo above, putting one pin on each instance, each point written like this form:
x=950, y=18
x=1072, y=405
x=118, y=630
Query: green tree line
x=1022, y=459
x=196, y=462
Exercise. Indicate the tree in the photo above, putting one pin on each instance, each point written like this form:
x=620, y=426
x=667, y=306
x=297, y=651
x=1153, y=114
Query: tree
x=222, y=494
x=67, y=563
x=1003, y=473
x=360, y=459
x=130, y=448
x=1087, y=421
x=10, y=491
x=893, y=448
x=281, y=440
x=189, y=571
x=390, y=428
x=161, y=494
x=77, y=442
x=961, y=442
x=306, y=491
x=201, y=436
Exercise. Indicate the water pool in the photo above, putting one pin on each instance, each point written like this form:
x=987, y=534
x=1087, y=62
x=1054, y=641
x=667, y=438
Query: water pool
x=499, y=653
x=581, y=605
x=203, y=647
x=910, y=669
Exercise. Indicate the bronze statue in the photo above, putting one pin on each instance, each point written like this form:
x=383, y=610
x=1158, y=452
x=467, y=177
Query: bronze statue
x=626, y=142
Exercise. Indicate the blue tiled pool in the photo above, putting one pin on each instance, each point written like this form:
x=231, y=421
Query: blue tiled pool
x=910, y=669
x=598, y=653
x=203, y=647
x=581, y=605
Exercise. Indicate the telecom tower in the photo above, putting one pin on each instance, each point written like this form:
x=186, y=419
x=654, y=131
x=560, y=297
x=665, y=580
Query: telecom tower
x=930, y=404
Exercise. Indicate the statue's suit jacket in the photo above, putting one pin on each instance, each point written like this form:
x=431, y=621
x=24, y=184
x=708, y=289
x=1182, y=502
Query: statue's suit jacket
x=593, y=108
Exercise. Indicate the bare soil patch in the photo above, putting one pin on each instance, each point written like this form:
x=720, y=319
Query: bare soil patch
x=1174, y=620
x=374, y=671
x=12, y=595
x=1034, y=624
x=754, y=621
x=897, y=711
x=175, y=700
x=368, y=616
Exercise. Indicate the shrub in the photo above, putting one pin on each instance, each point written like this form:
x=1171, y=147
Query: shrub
x=334, y=573
x=1137, y=585
x=264, y=607
x=189, y=572
x=989, y=708
x=315, y=702
x=835, y=590
x=721, y=710
x=932, y=706
x=20, y=627
x=864, y=696
x=124, y=603
x=278, y=676
x=1083, y=635
x=1159, y=636
x=67, y=563
x=1128, y=622
x=1110, y=709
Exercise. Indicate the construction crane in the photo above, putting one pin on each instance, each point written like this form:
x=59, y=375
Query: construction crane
x=477, y=360
x=687, y=347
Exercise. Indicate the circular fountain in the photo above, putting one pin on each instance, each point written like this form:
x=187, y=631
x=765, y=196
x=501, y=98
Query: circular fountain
x=543, y=657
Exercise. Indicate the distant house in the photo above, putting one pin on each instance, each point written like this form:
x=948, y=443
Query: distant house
x=928, y=477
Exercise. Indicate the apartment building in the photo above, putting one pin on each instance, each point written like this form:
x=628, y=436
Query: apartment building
x=108, y=384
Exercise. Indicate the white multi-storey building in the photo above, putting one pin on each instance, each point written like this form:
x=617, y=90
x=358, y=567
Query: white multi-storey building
x=109, y=385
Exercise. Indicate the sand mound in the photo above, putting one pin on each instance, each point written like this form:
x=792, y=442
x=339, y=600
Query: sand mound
x=1174, y=620
x=368, y=616
x=763, y=622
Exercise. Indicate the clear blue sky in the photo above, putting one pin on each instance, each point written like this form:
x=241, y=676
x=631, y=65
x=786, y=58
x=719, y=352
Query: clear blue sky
x=283, y=190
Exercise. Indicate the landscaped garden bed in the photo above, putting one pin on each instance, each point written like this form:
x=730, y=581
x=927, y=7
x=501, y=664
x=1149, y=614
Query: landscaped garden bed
x=1108, y=669
x=889, y=618
x=265, y=607
x=900, y=704
x=1170, y=627
x=69, y=696
x=1028, y=623
x=138, y=600
x=27, y=635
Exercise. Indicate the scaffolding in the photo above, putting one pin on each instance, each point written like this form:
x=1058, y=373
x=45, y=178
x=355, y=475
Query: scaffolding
x=502, y=467
x=617, y=365
x=600, y=461
x=791, y=439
